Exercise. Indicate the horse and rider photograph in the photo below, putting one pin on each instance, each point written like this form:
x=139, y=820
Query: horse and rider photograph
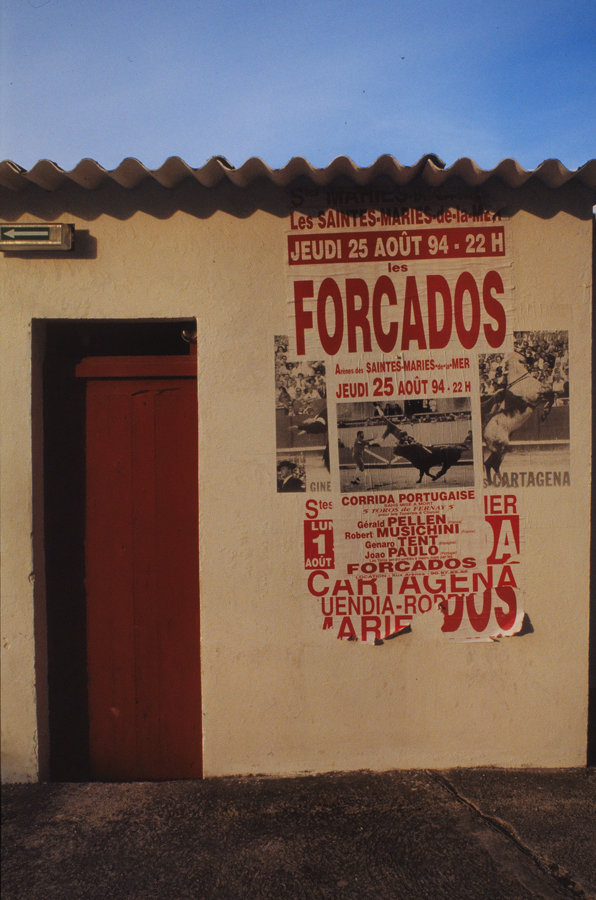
x=524, y=407
x=384, y=447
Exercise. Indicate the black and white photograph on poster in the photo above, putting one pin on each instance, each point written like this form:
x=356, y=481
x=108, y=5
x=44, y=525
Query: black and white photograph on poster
x=390, y=445
x=291, y=473
x=301, y=421
x=303, y=471
x=525, y=411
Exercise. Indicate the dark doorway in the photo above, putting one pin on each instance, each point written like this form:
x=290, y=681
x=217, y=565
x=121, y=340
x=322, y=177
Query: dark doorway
x=64, y=404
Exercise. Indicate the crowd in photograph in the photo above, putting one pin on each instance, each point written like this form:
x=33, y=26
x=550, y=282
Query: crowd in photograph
x=546, y=357
x=426, y=410
x=297, y=383
x=546, y=354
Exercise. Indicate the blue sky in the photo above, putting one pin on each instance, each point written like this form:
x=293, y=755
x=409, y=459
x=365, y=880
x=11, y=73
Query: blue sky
x=108, y=79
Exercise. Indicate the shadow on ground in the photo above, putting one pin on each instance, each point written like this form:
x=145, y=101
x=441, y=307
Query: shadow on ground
x=459, y=834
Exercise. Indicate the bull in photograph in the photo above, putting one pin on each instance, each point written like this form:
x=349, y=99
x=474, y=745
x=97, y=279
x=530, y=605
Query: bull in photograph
x=426, y=458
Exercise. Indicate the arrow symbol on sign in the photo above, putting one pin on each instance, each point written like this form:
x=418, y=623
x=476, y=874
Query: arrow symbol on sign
x=21, y=234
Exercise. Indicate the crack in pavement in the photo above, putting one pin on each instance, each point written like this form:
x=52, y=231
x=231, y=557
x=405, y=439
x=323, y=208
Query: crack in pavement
x=552, y=869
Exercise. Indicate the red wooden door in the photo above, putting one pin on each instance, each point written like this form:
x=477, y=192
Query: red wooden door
x=142, y=580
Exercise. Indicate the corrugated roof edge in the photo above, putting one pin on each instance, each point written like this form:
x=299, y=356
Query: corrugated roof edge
x=90, y=175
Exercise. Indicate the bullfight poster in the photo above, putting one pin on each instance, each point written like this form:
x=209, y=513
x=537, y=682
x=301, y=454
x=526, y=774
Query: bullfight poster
x=414, y=414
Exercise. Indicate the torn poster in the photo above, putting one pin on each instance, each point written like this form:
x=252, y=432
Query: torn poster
x=410, y=412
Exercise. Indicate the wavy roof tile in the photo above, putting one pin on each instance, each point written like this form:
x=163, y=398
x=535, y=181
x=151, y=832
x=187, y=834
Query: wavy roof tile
x=90, y=175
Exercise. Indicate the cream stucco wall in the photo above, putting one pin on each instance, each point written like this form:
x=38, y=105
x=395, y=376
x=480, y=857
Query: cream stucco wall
x=279, y=695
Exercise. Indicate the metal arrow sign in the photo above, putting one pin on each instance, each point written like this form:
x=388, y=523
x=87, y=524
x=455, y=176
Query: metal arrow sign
x=20, y=233
x=34, y=236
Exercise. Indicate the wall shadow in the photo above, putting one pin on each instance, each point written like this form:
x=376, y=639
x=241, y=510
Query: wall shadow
x=201, y=202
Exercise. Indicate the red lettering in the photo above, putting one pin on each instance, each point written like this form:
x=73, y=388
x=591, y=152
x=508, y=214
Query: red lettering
x=467, y=285
x=452, y=620
x=303, y=290
x=330, y=342
x=338, y=312
x=479, y=620
x=311, y=583
x=357, y=317
x=438, y=337
x=371, y=625
x=385, y=339
x=494, y=335
x=413, y=326
x=505, y=538
x=311, y=509
x=506, y=618
x=346, y=629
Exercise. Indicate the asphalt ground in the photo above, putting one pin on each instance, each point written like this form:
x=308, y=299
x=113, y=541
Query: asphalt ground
x=462, y=834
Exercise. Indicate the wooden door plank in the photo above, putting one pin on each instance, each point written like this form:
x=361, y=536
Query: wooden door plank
x=110, y=615
x=177, y=518
x=145, y=565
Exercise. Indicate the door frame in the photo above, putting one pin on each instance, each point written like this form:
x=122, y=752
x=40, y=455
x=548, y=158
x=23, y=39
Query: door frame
x=69, y=339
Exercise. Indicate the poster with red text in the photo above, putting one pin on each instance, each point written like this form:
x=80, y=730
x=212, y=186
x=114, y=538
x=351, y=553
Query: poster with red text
x=413, y=413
